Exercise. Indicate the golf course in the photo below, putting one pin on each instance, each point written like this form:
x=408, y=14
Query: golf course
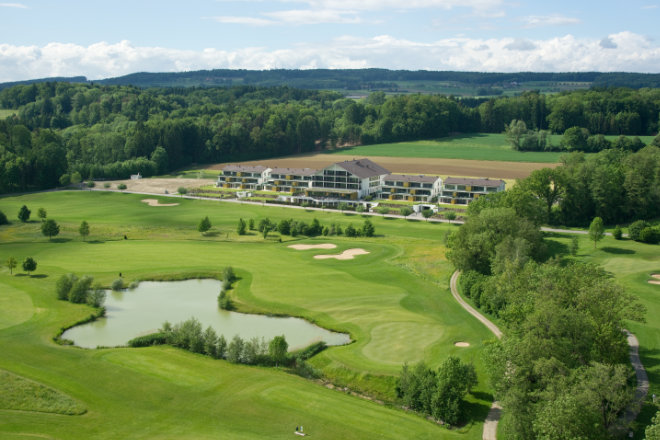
x=392, y=298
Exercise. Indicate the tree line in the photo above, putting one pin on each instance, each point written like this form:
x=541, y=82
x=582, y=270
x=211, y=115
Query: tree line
x=114, y=131
x=561, y=369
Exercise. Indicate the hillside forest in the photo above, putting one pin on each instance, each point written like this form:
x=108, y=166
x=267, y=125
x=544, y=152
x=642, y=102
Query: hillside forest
x=68, y=129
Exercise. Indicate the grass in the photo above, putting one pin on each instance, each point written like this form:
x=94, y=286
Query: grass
x=476, y=146
x=5, y=113
x=394, y=302
x=18, y=393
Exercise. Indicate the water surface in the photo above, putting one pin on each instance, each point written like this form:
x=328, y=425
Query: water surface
x=143, y=310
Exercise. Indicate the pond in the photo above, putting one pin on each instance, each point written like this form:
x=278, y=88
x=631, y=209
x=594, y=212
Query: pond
x=143, y=310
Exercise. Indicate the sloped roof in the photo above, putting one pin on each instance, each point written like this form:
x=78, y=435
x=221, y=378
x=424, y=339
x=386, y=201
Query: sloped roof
x=244, y=168
x=473, y=182
x=363, y=168
x=411, y=178
x=294, y=171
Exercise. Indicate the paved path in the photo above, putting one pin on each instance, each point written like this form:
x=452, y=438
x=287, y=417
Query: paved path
x=493, y=417
x=642, y=378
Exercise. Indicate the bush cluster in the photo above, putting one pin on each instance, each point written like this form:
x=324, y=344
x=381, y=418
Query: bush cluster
x=295, y=228
x=79, y=290
x=642, y=231
x=190, y=336
x=228, y=278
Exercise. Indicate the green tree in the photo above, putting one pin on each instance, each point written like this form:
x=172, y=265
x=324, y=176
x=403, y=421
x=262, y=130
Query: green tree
x=617, y=233
x=277, y=348
x=405, y=211
x=210, y=342
x=204, y=225
x=251, y=224
x=83, y=230
x=50, y=228
x=42, y=214
x=75, y=178
x=596, y=230
x=575, y=138
x=242, y=226
x=80, y=289
x=63, y=286
x=342, y=206
x=96, y=296
x=653, y=430
x=24, y=214
x=547, y=184
x=182, y=190
x=515, y=132
x=3, y=219
x=359, y=209
x=427, y=214
x=235, y=350
x=29, y=265
x=11, y=264
x=450, y=215
x=382, y=210
x=368, y=229
x=455, y=381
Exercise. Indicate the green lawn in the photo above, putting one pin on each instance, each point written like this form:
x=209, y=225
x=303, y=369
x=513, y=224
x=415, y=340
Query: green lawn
x=394, y=302
x=4, y=113
x=478, y=146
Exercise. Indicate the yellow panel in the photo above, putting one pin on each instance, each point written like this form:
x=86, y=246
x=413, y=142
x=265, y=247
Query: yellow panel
x=406, y=184
x=468, y=188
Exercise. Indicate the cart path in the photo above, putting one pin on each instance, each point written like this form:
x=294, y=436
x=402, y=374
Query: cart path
x=493, y=417
x=490, y=425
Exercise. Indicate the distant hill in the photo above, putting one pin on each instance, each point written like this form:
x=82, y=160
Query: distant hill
x=71, y=79
x=362, y=81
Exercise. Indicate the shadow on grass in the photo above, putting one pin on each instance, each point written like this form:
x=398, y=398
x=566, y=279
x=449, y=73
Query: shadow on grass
x=38, y=276
x=476, y=412
x=95, y=241
x=211, y=234
x=554, y=248
x=60, y=240
x=617, y=251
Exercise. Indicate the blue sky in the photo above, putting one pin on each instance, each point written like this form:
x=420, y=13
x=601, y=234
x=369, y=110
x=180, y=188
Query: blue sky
x=41, y=38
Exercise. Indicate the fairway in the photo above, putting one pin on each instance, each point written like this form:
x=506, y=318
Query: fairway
x=393, y=300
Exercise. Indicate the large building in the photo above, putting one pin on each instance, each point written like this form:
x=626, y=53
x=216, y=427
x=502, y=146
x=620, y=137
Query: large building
x=461, y=191
x=354, y=180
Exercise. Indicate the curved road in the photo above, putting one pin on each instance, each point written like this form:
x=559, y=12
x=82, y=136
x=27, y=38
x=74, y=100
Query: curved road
x=490, y=425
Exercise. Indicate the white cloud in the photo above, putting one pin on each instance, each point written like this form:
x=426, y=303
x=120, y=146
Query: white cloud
x=650, y=7
x=627, y=52
x=314, y=16
x=13, y=5
x=252, y=21
x=549, y=20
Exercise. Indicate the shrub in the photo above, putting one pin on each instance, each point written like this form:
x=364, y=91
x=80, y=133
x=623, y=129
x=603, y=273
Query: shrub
x=96, y=296
x=617, y=233
x=117, y=284
x=133, y=285
x=3, y=219
x=159, y=338
x=106, y=185
x=228, y=274
x=91, y=184
x=635, y=229
x=649, y=235
x=121, y=186
x=181, y=190
x=63, y=286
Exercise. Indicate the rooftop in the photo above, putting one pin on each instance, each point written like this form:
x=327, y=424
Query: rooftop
x=294, y=171
x=244, y=168
x=473, y=182
x=363, y=168
x=411, y=178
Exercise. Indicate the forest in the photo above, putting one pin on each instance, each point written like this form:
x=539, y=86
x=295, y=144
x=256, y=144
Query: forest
x=103, y=131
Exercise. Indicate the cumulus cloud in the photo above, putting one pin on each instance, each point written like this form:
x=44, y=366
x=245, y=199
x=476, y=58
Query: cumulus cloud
x=549, y=20
x=628, y=52
x=607, y=43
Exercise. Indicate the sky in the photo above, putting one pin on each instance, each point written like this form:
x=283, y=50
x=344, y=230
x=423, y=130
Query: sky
x=44, y=38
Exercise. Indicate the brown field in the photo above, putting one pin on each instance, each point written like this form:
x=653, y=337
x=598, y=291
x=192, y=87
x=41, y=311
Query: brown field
x=411, y=165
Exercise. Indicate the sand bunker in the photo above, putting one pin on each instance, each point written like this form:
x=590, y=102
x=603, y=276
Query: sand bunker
x=656, y=276
x=462, y=344
x=154, y=202
x=304, y=247
x=656, y=279
x=348, y=254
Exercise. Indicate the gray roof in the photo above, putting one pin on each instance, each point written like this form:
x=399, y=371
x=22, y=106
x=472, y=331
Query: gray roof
x=363, y=168
x=473, y=182
x=294, y=171
x=411, y=178
x=244, y=168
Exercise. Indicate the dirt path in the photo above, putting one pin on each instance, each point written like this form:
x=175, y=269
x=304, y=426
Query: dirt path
x=642, y=378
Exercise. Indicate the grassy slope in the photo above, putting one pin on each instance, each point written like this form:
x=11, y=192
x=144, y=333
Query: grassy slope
x=470, y=146
x=394, y=302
